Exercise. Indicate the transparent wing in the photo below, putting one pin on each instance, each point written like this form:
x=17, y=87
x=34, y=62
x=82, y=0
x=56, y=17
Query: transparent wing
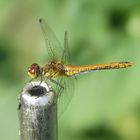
x=66, y=56
x=53, y=46
x=67, y=82
x=67, y=94
x=57, y=53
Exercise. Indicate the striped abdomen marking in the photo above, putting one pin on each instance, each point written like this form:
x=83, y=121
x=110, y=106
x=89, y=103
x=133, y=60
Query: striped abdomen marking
x=77, y=70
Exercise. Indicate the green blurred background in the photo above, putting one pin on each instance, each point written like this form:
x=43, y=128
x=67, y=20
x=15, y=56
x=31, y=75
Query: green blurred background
x=106, y=104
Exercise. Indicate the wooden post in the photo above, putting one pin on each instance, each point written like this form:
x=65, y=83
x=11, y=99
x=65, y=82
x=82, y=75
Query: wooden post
x=37, y=112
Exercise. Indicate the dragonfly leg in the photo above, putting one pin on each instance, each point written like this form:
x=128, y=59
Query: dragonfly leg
x=57, y=83
x=41, y=80
x=45, y=80
x=30, y=81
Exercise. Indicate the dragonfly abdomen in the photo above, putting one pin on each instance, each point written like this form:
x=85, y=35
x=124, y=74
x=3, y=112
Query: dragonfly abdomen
x=77, y=70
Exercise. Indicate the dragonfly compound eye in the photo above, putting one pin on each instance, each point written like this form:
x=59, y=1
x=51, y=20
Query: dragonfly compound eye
x=34, y=71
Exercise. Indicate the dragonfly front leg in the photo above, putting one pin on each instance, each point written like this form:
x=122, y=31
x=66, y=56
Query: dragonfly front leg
x=41, y=80
x=57, y=83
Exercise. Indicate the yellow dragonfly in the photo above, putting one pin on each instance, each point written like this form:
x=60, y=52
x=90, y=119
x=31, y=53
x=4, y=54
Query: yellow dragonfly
x=58, y=69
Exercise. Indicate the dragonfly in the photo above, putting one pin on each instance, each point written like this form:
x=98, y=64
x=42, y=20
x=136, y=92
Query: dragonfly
x=59, y=69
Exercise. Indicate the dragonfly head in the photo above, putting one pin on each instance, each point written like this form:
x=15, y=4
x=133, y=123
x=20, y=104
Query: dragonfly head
x=34, y=71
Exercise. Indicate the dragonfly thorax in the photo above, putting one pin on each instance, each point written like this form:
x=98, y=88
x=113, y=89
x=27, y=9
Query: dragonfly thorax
x=34, y=71
x=53, y=69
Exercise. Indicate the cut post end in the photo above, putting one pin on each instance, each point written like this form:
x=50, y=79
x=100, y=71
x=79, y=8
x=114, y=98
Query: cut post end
x=37, y=104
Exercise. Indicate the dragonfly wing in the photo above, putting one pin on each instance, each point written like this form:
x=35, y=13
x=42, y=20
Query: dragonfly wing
x=56, y=52
x=65, y=97
x=66, y=56
x=53, y=45
x=67, y=82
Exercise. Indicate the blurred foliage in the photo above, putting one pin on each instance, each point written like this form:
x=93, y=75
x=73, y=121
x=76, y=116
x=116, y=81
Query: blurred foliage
x=106, y=104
